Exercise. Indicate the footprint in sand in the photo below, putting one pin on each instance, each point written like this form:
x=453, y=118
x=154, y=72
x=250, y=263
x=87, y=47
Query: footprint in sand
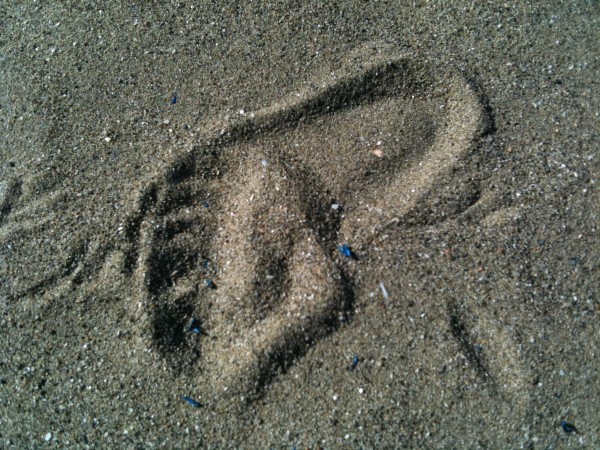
x=259, y=207
x=243, y=231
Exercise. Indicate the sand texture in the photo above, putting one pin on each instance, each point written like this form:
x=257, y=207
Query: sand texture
x=340, y=225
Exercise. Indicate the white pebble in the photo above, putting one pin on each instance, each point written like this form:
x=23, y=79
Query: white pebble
x=335, y=206
x=48, y=436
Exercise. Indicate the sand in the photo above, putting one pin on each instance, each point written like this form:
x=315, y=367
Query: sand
x=349, y=225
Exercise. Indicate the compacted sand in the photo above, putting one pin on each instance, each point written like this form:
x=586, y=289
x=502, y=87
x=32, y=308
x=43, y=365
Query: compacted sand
x=337, y=225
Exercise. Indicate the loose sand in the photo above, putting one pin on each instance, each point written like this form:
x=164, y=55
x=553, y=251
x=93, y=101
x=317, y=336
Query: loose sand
x=205, y=165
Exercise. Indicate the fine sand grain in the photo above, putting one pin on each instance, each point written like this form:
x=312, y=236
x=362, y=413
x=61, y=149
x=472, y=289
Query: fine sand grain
x=271, y=226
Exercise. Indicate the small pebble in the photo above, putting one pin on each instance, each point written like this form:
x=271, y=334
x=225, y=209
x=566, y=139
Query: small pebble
x=194, y=326
x=47, y=437
x=568, y=427
x=191, y=401
x=345, y=249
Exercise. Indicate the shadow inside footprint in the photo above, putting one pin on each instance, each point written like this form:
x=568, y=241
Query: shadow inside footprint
x=259, y=212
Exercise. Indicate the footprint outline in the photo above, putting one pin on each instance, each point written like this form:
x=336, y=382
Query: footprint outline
x=348, y=91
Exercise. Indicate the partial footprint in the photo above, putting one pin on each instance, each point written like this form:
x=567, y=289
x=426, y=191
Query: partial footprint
x=27, y=225
x=242, y=233
x=492, y=353
x=39, y=252
x=10, y=191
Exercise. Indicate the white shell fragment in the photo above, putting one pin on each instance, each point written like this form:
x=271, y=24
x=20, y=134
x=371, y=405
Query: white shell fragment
x=384, y=291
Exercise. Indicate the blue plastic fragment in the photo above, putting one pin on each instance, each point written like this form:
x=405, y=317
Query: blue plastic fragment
x=191, y=401
x=174, y=99
x=210, y=284
x=205, y=203
x=194, y=326
x=568, y=427
x=355, y=361
x=345, y=249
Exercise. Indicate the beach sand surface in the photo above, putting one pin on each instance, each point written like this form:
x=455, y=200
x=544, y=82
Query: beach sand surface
x=272, y=225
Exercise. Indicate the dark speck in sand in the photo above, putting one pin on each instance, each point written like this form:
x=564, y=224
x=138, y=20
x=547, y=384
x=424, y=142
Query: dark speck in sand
x=194, y=326
x=568, y=427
